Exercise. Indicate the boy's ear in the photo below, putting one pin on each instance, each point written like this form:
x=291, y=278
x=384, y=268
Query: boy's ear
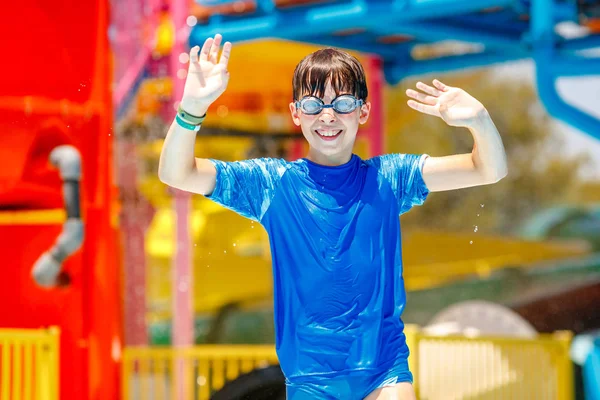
x=365, y=111
x=294, y=112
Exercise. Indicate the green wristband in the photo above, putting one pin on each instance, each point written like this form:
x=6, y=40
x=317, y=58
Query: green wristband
x=192, y=119
x=186, y=125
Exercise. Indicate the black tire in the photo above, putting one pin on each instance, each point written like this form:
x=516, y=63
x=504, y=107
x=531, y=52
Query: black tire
x=261, y=384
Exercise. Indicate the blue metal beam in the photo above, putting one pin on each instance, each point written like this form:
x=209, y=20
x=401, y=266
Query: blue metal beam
x=490, y=22
x=265, y=6
x=583, y=43
x=327, y=19
x=385, y=51
x=396, y=72
x=435, y=32
x=545, y=54
x=574, y=66
x=504, y=36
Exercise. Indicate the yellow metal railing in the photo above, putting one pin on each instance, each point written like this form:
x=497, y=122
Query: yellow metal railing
x=29, y=364
x=156, y=373
x=459, y=367
x=447, y=368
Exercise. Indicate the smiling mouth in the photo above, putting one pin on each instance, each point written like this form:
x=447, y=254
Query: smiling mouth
x=328, y=134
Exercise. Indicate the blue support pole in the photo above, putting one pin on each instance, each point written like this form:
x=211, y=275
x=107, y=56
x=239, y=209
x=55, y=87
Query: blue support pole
x=266, y=6
x=545, y=54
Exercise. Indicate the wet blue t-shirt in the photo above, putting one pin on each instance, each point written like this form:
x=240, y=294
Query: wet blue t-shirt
x=336, y=250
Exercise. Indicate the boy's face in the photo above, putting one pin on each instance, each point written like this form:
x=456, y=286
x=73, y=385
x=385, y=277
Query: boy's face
x=317, y=129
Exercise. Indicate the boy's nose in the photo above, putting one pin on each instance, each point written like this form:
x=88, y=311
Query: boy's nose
x=327, y=116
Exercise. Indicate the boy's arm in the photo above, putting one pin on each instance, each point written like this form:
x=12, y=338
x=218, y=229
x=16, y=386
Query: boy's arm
x=179, y=168
x=485, y=164
x=207, y=79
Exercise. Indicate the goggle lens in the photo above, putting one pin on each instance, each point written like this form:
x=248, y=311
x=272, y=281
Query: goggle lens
x=311, y=106
x=344, y=104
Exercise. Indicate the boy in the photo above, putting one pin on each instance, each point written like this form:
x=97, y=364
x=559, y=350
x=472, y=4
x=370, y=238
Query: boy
x=332, y=218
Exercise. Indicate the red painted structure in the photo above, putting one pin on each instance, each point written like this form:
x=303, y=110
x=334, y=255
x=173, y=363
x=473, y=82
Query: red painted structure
x=55, y=80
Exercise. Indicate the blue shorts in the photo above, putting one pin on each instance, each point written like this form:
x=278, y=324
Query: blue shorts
x=349, y=386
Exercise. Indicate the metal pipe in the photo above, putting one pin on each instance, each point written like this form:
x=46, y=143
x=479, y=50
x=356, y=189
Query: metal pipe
x=47, y=268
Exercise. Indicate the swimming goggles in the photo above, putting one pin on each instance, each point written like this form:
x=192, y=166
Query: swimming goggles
x=343, y=104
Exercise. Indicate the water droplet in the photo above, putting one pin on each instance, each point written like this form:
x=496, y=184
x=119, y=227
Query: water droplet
x=224, y=251
x=184, y=58
x=476, y=229
x=252, y=226
x=207, y=266
x=478, y=215
x=209, y=253
x=181, y=73
x=471, y=242
x=482, y=205
x=234, y=245
x=192, y=21
x=195, y=245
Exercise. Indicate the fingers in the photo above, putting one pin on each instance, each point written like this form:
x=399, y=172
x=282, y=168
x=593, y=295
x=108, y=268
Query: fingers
x=214, y=49
x=441, y=86
x=427, y=102
x=194, y=64
x=428, y=89
x=423, y=98
x=194, y=54
x=206, y=49
x=431, y=110
x=210, y=50
x=225, y=54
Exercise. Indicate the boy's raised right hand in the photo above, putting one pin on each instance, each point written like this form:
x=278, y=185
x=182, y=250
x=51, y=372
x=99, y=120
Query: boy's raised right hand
x=207, y=76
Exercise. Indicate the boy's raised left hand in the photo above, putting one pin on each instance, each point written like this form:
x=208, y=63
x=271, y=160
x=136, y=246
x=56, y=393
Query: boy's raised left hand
x=455, y=106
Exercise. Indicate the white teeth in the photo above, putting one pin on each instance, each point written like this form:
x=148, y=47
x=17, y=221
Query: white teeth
x=328, y=133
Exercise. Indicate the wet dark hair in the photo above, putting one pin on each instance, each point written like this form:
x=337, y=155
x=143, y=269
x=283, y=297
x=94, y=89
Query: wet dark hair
x=344, y=71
